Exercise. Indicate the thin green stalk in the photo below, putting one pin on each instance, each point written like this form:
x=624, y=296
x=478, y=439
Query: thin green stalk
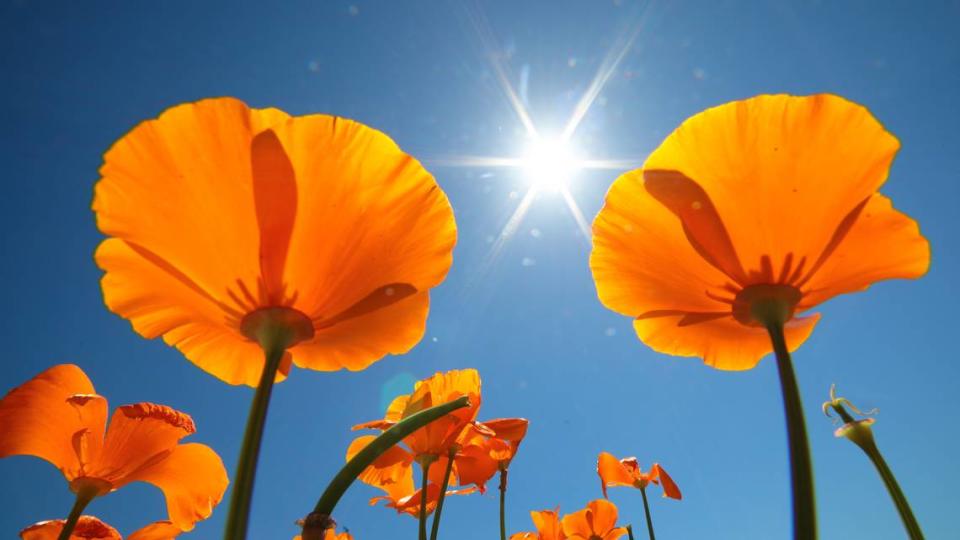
x=443, y=494
x=503, y=501
x=801, y=469
x=425, y=465
x=239, y=515
x=84, y=496
x=899, y=499
x=646, y=510
x=630, y=532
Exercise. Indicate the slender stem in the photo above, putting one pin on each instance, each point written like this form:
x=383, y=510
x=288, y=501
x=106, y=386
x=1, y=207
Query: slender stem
x=646, y=510
x=906, y=514
x=630, y=532
x=84, y=496
x=801, y=470
x=425, y=465
x=443, y=495
x=239, y=515
x=503, y=505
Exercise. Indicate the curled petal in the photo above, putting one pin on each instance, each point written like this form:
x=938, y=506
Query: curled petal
x=139, y=435
x=723, y=343
x=670, y=488
x=193, y=480
x=40, y=419
x=87, y=528
x=612, y=472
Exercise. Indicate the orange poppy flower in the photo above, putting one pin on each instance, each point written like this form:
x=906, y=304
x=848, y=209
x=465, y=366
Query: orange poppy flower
x=58, y=417
x=509, y=432
x=435, y=438
x=220, y=216
x=770, y=197
x=548, y=527
x=626, y=472
x=91, y=528
x=597, y=520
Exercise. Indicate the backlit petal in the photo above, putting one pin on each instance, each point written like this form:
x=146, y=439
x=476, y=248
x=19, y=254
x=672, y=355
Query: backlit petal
x=358, y=342
x=882, y=244
x=393, y=467
x=612, y=472
x=642, y=261
x=783, y=171
x=548, y=524
x=368, y=215
x=193, y=480
x=39, y=420
x=87, y=528
x=723, y=343
x=158, y=530
x=139, y=435
x=670, y=488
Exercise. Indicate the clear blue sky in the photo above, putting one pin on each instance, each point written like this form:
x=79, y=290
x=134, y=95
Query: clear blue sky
x=77, y=75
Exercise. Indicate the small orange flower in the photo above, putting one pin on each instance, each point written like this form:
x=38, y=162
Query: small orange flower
x=626, y=472
x=598, y=521
x=219, y=216
x=770, y=198
x=91, y=528
x=435, y=438
x=509, y=432
x=58, y=417
x=548, y=527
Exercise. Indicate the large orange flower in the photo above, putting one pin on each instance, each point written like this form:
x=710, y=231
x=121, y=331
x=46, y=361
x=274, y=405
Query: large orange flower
x=220, y=215
x=58, y=417
x=774, y=196
x=548, y=527
x=626, y=472
x=91, y=528
x=597, y=521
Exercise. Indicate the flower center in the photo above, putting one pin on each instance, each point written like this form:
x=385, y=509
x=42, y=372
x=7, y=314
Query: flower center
x=285, y=325
x=760, y=305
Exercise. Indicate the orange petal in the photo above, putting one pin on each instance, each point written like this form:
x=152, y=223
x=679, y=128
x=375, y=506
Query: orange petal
x=783, y=171
x=275, y=199
x=612, y=472
x=40, y=419
x=597, y=519
x=723, y=343
x=882, y=244
x=475, y=465
x=137, y=434
x=548, y=524
x=87, y=528
x=193, y=480
x=615, y=533
x=670, y=488
x=368, y=215
x=393, y=467
x=635, y=238
x=357, y=342
x=169, y=191
x=509, y=429
x=158, y=530
x=524, y=536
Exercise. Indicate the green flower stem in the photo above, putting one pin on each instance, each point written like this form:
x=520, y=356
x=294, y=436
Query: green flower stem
x=274, y=343
x=630, y=532
x=443, y=493
x=84, y=496
x=646, y=510
x=801, y=470
x=899, y=499
x=425, y=465
x=503, y=501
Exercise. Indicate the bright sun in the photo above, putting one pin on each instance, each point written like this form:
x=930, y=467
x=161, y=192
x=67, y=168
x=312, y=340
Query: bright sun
x=550, y=163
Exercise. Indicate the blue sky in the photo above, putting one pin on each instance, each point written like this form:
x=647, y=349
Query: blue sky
x=79, y=75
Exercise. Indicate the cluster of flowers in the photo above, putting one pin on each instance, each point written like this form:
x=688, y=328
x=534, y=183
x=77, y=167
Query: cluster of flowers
x=253, y=241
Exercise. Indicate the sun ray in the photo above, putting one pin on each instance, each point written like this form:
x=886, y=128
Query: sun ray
x=577, y=214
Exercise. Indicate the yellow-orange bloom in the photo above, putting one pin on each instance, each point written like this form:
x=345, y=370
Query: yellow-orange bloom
x=626, y=472
x=773, y=196
x=435, y=438
x=218, y=214
x=597, y=520
x=548, y=527
x=58, y=417
x=91, y=528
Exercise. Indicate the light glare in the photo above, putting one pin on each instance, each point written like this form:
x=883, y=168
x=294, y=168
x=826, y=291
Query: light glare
x=549, y=164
